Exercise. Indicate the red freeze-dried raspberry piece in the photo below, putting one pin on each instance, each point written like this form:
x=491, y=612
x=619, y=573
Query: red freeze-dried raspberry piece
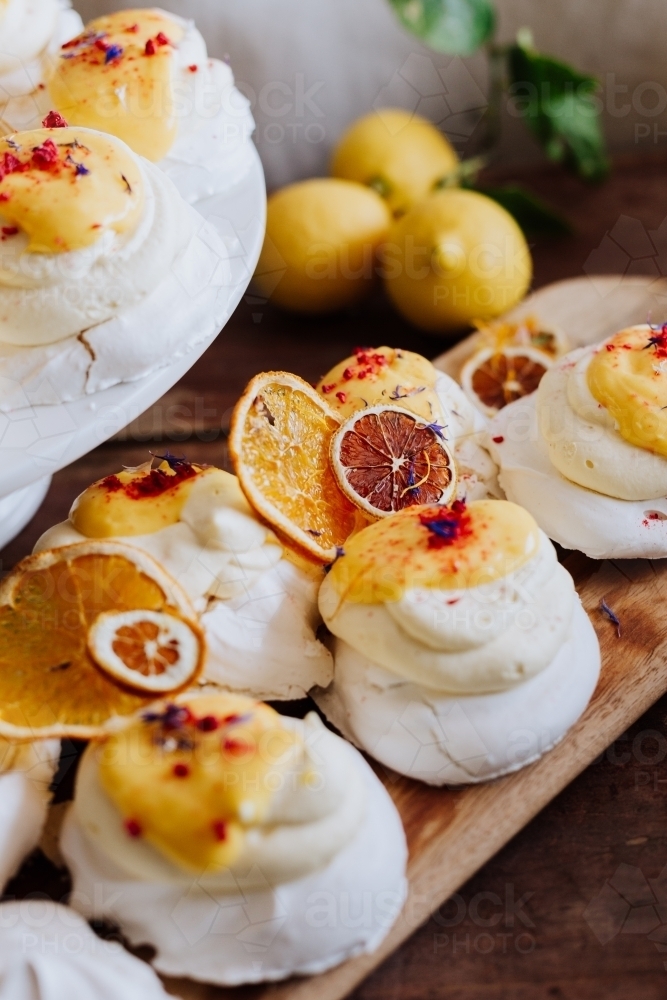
x=10, y=164
x=44, y=156
x=54, y=120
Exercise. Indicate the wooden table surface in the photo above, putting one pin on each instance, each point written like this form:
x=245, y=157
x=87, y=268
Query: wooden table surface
x=575, y=907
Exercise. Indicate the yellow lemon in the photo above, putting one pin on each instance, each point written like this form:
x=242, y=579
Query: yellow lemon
x=401, y=155
x=455, y=257
x=321, y=241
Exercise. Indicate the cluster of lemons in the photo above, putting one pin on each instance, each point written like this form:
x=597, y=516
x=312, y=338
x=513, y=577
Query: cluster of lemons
x=392, y=212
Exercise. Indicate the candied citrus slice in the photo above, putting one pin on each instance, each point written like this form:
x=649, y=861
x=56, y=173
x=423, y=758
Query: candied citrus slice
x=50, y=685
x=386, y=459
x=279, y=442
x=529, y=331
x=492, y=377
x=148, y=650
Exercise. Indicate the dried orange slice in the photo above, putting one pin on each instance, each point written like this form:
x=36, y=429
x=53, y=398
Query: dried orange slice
x=50, y=685
x=279, y=442
x=147, y=650
x=494, y=377
x=386, y=459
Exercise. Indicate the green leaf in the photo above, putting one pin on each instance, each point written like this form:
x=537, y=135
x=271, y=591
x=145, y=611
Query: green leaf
x=561, y=107
x=534, y=216
x=458, y=27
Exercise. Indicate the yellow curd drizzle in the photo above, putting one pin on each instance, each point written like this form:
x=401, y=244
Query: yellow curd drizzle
x=65, y=186
x=382, y=375
x=628, y=376
x=139, y=501
x=117, y=77
x=443, y=548
x=190, y=778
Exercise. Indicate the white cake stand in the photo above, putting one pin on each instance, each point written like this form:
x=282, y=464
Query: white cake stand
x=37, y=441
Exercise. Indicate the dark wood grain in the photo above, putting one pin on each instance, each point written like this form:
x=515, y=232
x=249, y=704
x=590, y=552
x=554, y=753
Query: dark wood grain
x=608, y=828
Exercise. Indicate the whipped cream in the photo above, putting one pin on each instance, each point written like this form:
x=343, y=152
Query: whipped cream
x=582, y=437
x=216, y=550
x=48, y=951
x=338, y=837
x=31, y=33
x=454, y=739
x=603, y=527
x=471, y=641
x=26, y=772
x=317, y=809
x=465, y=432
x=258, y=609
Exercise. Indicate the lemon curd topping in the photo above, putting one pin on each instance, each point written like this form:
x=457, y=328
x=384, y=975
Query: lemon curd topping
x=139, y=501
x=435, y=547
x=628, y=376
x=382, y=375
x=191, y=778
x=63, y=187
x=117, y=77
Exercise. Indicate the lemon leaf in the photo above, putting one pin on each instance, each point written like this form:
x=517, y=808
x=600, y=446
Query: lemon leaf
x=560, y=106
x=457, y=27
x=533, y=215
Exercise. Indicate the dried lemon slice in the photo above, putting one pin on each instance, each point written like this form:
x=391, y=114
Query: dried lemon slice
x=149, y=650
x=50, y=685
x=494, y=377
x=279, y=442
x=386, y=458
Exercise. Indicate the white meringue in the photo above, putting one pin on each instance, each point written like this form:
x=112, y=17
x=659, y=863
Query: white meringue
x=458, y=641
x=174, y=301
x=31, y=33
x=48, y=297
x=258, y=609
x=213, y=148
x=457, y=739
x=468, y=641
x=47, y=952
x=235, y=926
x=602, y=527
x=263, y=642
x=582, y=438
x=26, y=772
x=466, y=434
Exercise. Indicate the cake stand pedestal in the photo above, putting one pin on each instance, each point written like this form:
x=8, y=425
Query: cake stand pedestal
x=37, y=441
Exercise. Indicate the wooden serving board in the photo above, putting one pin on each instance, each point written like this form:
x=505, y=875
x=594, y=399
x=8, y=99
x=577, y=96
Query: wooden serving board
x=452, y=833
